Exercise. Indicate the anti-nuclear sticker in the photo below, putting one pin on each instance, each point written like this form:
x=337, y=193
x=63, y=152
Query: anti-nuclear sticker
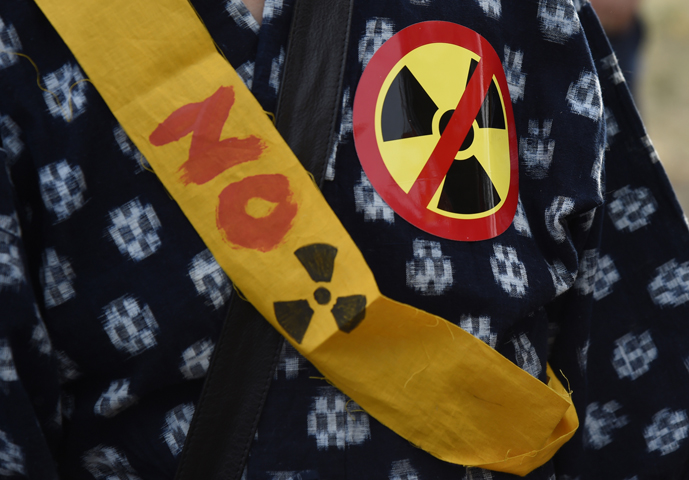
x=434, y=131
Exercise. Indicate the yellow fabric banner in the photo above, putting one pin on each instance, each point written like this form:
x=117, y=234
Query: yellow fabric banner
x=270, y=229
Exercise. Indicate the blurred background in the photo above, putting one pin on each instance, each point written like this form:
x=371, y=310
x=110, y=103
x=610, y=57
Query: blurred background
x=661, y=80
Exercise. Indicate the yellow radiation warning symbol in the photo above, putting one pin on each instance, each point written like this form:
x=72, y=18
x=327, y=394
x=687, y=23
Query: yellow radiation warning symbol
x=434, y=131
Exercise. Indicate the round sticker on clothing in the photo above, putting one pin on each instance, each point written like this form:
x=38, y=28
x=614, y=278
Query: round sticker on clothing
x=434, y=131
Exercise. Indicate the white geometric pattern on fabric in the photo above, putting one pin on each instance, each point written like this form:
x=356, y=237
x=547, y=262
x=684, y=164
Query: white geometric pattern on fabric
x=492, y=8
x=196, y=359
x=12, y=460
x=11, y=265
x=516, y=79
x=633, y=355
x=559, y=20
x=367, y=200
x=57, y=277
x=509, y=272
x=600, y=424
x=40, y=339
x=134, y=230
x=478, y=474
x=429, y=272
x=108, y=463
x=479, y=327
x=537, y=149
x=632, y=208
x=130, y=327
x=9, y=42
x=580, y=3
x=66, y=95
x=597, y=171
x=670, y=286
x=653, y=154
x=346, y=127
x=290, y=362
x=556, y=217
x=667, y=431
x=611, y=66
x=422, y=3
x=585, y=98
x=241, y=15
x=562, y=278
x=583, y=356
x=378, y=31
x=596, y=275
x=276, y=71
x=8, y=371
x=62, y=188
x=115, y=399
x=176, y=427
x=520, y=222
x=209, y=279
x=335, y=422
x=611, y=126
x=10, y=137
x=402, y=470
x=128, y=148
x=67, y=368
x=246, y=72
x=272, y=9
x=587, y=219
x=526, y=355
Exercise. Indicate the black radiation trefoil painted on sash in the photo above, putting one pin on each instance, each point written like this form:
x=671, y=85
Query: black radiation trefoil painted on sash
x=408, y=111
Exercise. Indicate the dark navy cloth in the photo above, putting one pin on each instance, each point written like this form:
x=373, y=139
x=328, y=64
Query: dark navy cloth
x=110, y=304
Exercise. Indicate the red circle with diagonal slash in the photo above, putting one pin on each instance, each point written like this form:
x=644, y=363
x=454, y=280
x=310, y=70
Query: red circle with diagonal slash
x=413, y=205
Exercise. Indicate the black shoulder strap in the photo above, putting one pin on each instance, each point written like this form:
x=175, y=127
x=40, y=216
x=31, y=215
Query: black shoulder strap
x=246, y=354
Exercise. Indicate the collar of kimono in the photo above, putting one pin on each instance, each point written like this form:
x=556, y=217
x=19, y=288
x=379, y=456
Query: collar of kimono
x=268, y=226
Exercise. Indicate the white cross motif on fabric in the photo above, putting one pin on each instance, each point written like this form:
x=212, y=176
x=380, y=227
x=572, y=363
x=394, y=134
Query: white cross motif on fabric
x=12, y=461
x=478, y=474
x=11, y=265
x=66, y=92
x=378, y=31
x=196, y=359
x=585, y=98
x=526, y=355
x=559, y=20
x=368, y=202
x=241, y=15
x=429, y=272
x=63, y=188
x=402, y=470
x=536, y=150
x=667, y=431
x=556, y=217
x=509, y=272
x=134, y=229
x=670, y=285
x=108, y=463
x=597, y=275
x=176, y=427
x=10, y=138
x=128, y=148
x=8, y=371
x=57, y=277
x=336, y=422
x=290, y=362
x=209, y=279
x=632, y=208
x=276, y=71
x=115, y=399
x=611, y=126
x=479, y=327
x=516, y=79
x=633, y=355
x=272, y=9
x=346, y=127
x=492, y=8
x=520, y=222
x=9, y=43
x=130, y=326
x=601, y=423
x=611, y=66
x=562, y=278
x=421, y=3
x=246, y=72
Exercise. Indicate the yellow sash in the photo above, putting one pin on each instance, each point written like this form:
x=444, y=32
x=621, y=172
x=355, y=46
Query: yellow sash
x=270, y=229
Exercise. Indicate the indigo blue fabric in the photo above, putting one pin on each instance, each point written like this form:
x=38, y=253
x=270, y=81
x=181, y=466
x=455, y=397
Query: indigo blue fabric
x=110, y=304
